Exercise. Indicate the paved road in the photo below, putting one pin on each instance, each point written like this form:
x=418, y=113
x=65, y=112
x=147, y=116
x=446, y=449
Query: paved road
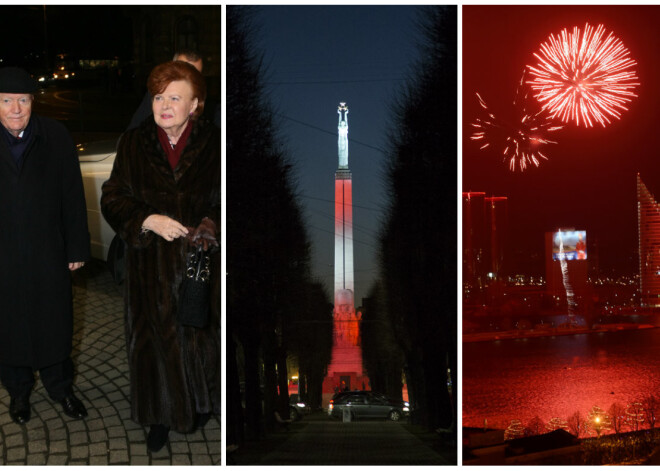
x=332, y=442
x=108, y=435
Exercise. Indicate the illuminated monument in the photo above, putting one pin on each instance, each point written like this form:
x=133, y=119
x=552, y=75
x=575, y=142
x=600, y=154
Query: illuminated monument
x=648, y=221
x=345, y=369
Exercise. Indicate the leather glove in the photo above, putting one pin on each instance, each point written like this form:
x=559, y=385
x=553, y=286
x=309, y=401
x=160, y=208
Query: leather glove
x=203, y=235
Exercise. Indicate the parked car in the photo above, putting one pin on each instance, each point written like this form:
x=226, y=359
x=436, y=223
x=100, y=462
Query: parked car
x=96, y=160
x=297, y=408
x=367, y=405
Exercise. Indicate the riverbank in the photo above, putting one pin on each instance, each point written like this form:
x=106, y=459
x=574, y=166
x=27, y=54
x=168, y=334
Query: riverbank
x=551, y=332
x=561, y=447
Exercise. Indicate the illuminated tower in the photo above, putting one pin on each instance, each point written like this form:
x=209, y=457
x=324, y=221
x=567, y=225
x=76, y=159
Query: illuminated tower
x=474, y=239
x=343, y=216
x=345, y=369
x=497, y=220
x=648, y=222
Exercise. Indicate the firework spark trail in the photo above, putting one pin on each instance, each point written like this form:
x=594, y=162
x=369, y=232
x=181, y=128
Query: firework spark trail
x=584, y=77
x=570, y=295
x=520, y=143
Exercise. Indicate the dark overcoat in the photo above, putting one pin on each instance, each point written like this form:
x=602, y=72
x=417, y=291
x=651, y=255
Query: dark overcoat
x=174, y=370
x=43, y=228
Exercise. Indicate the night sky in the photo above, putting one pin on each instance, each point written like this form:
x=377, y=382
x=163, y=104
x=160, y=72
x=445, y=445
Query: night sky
x=81, y=30
x=317, y=57
x=589, y=181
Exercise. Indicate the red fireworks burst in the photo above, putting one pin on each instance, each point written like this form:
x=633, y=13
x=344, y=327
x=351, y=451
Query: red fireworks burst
x=519, y=141
x=584, y=77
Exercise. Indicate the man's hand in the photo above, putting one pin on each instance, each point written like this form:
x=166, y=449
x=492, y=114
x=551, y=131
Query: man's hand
x=73, y=266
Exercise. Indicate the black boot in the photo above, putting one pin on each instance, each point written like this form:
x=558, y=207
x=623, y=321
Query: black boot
x=157, y=437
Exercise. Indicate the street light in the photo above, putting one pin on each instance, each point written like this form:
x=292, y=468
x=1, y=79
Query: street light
x=597, y=425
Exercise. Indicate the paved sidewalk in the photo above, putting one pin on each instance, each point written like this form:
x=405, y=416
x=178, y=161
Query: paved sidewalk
x=108, y=435
x=332, y=442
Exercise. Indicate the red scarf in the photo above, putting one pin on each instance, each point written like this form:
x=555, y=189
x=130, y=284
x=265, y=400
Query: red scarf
x=174, y=153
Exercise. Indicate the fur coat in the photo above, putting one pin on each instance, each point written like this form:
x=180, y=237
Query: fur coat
x=174, y=370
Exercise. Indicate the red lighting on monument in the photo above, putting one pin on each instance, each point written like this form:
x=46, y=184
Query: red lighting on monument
x=345, y=370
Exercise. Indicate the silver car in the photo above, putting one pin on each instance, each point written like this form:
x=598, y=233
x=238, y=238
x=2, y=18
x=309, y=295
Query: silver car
x=297, y=408
x=368, y=405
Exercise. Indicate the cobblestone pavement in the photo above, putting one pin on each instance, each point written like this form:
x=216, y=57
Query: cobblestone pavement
x=107, y=435
x=332, y=442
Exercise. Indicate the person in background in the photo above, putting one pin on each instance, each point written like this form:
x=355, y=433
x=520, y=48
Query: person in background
x=43, y=238
x=162, y=198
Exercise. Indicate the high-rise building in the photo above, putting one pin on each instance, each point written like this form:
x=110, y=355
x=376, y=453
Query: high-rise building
x=345, y=369
x=497, y=219
x=648, y=222
x=485, y=240
x=475, y=240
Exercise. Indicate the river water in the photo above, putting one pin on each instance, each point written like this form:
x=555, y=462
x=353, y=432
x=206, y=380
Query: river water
x=557, y=376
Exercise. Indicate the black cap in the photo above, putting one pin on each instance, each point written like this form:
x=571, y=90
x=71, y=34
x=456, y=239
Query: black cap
x=16, y=80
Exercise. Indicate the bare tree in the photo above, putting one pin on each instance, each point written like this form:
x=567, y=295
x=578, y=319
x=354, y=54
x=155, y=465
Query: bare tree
x=598, y=421
x=635, y=416
x=555, y=424
x=577, y=424
x=536, y=426
x=420, y=214
x=274, y=307
x=514, y=430
x=617, y=417
x=650, y=404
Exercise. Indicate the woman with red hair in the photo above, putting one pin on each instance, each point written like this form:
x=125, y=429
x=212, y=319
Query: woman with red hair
x=163, y=200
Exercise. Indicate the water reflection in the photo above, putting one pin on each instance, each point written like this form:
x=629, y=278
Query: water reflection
x=557, y=376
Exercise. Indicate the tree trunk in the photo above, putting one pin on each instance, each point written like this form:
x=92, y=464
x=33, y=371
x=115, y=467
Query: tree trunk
x=270, y=384
x=283, y=383
x=253, y=408
x=235, y=435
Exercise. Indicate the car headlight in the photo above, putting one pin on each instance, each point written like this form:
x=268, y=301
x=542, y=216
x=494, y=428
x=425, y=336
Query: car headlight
x=405, y=409
x=407, y=404
x=301, y=404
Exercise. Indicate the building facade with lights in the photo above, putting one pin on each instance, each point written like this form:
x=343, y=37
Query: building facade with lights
x=474, y=238
x=648, y=223
x=345, y=370
x=497, y=220
x=485, y=243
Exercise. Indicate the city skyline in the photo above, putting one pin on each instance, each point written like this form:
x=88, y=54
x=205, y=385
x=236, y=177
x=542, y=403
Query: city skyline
x=588, y=181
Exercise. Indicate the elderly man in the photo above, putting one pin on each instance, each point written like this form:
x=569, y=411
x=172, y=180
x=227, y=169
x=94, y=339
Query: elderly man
x=43, y=238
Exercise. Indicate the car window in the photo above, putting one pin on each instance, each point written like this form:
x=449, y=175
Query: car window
x=356, y=400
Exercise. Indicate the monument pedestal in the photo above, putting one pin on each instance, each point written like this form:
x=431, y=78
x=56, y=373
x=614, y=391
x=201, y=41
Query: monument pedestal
x=344, y=372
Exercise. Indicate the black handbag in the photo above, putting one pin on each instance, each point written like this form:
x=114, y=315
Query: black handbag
x=194, y=302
